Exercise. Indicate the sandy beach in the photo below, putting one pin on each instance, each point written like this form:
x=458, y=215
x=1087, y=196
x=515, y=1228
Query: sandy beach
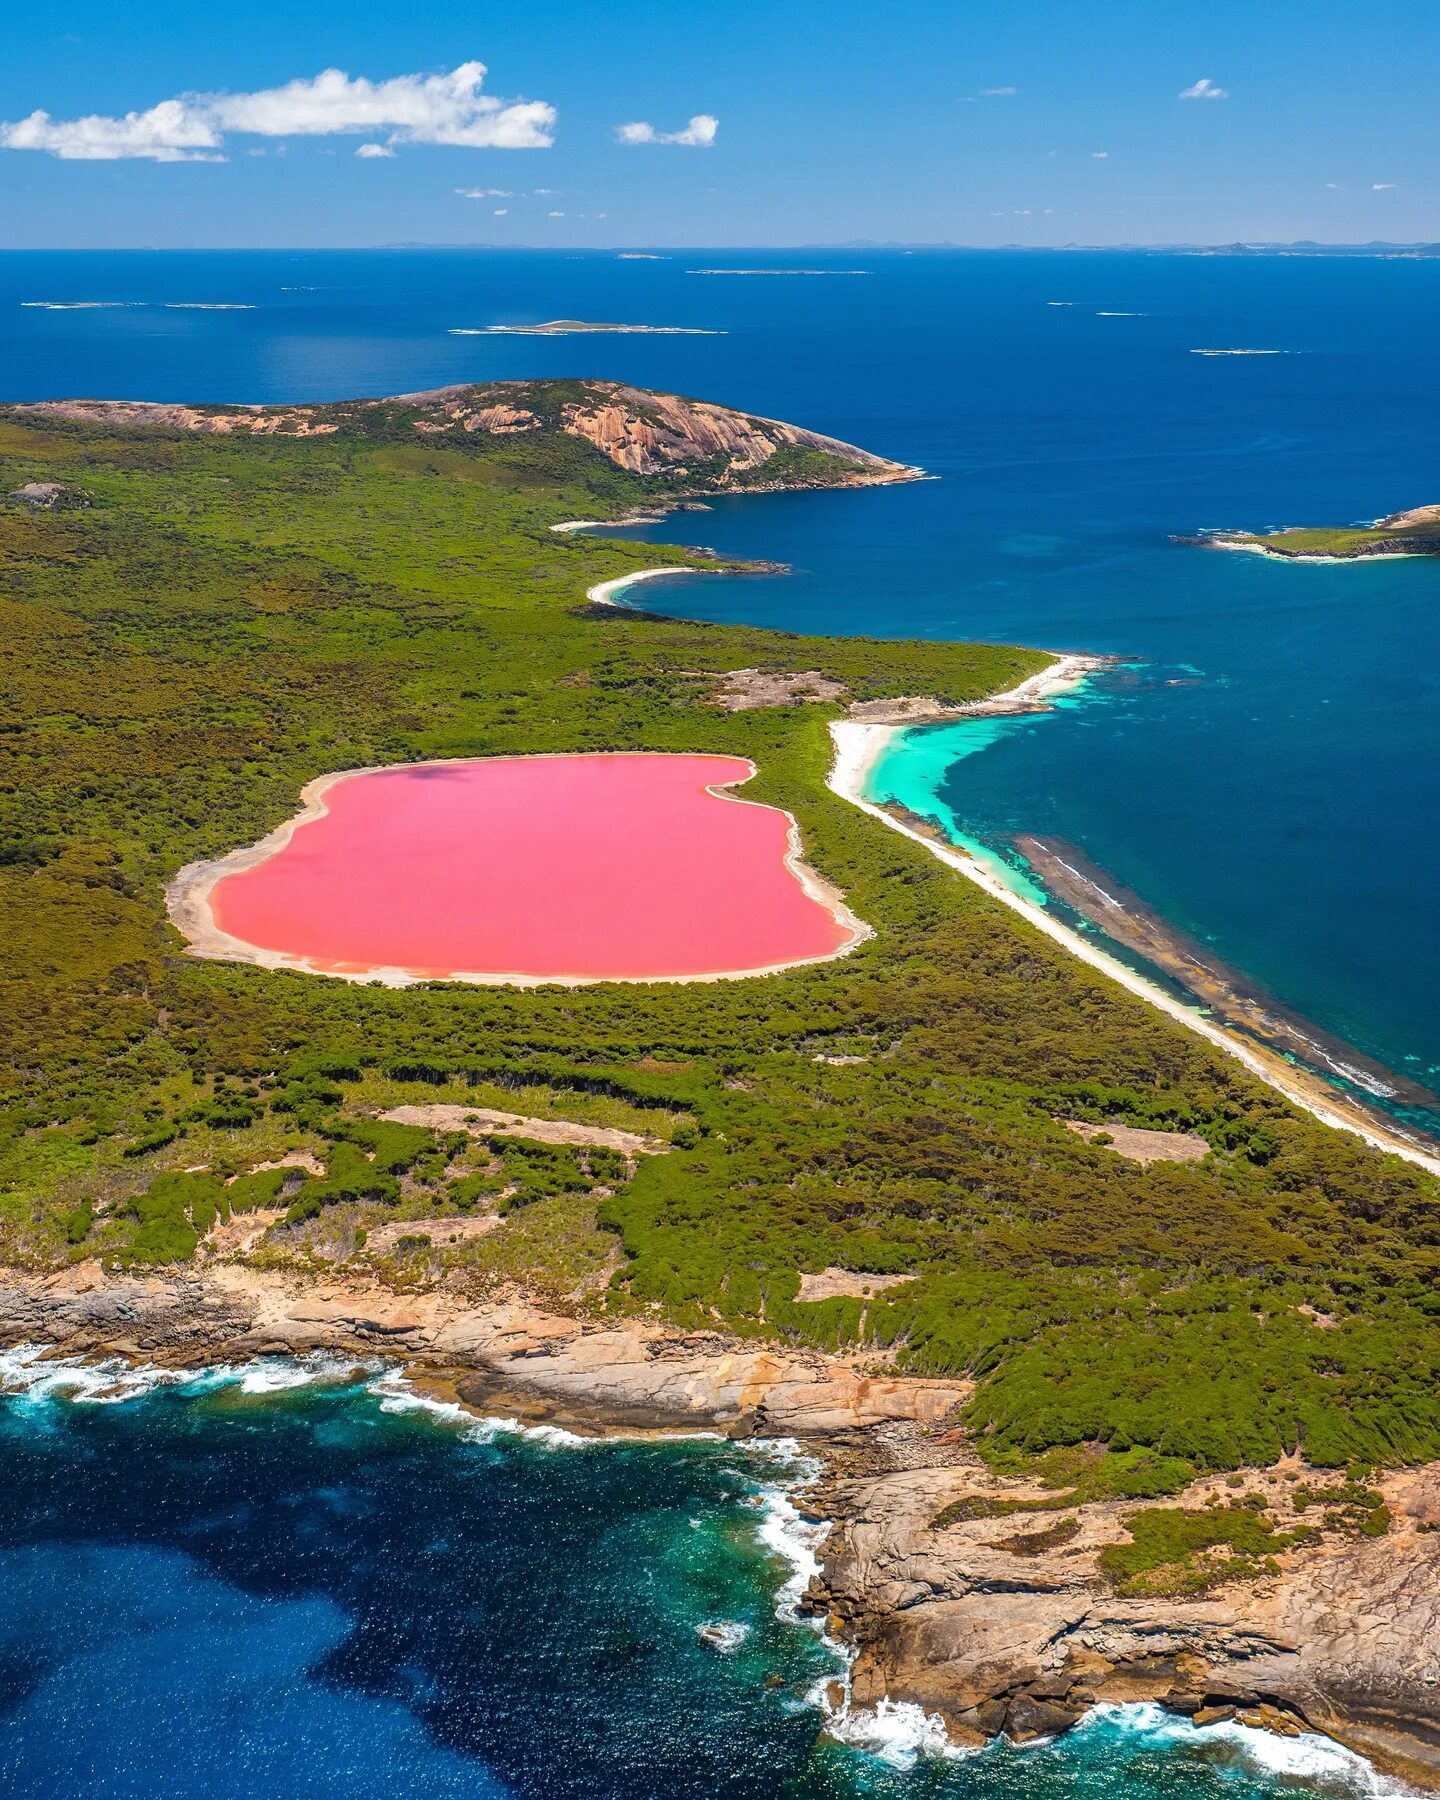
x=603, y=593
x=858, y=745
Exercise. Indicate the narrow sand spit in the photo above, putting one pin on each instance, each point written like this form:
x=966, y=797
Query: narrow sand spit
x=858, y=745
x=188, y=897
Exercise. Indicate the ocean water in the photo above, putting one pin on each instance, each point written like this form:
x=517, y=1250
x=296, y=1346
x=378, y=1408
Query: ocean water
x=291, y=1580
x=1263, y=773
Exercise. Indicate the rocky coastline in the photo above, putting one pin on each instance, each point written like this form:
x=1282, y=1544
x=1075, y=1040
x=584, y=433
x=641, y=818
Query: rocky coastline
x=952, y=1593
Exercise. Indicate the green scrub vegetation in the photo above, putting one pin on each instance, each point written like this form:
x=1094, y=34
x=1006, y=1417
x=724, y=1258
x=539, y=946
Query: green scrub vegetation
x=1348, y=542
x=226, y=618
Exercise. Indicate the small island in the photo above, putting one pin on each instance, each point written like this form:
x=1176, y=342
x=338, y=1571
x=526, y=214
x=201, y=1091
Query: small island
x=1412, y=533
x=580, y=328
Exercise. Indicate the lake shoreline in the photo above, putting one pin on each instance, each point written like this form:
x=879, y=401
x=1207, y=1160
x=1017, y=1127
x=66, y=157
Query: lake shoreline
x=189, y=894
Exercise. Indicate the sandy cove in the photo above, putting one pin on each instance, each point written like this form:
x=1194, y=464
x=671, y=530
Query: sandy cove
x=984, y=1636
x=859, y=743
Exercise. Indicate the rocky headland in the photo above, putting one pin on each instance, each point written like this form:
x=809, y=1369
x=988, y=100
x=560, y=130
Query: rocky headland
x=679, y=445
x=981, y=1597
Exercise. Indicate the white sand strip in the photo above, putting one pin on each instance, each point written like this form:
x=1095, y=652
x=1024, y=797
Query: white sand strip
x=856, y=748
x=603, y=593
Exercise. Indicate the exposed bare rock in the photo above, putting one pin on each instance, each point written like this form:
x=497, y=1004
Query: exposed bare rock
x=516, y=1355
x=501, y=420
x=254, y=421
x=994, y=1636
x=842, y=1284
x=996, y=1624
x=1417, y=515
x=660, y=433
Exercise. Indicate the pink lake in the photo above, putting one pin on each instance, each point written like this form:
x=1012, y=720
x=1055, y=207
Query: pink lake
x=586, y=867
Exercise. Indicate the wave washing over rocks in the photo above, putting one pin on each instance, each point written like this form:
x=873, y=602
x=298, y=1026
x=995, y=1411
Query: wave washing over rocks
x=935, y=1623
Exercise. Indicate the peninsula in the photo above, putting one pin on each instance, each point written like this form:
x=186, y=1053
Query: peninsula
x=1412, y=533
x=1000, y=1236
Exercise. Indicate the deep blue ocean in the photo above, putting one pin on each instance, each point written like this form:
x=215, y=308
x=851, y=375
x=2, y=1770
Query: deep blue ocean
x=228, y=1590
x=292, y=1581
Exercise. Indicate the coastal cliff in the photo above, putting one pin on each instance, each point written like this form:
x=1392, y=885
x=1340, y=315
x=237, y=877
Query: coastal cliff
x=984, y=1599
x=674, y=444
x=1002, y=1613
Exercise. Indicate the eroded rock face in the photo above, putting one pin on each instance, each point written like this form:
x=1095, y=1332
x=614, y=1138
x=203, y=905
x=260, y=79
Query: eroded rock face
x=542, y=1363
x=1346, y=1638
x=652, y=434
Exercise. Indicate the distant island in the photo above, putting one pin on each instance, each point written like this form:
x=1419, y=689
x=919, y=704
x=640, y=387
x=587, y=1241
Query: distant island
x=577, y=327
x=1412, y=533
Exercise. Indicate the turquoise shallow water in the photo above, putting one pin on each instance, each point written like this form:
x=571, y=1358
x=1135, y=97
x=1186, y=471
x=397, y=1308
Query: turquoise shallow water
x=290, y=1580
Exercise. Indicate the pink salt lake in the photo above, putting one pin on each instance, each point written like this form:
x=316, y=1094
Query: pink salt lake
x=580, y=868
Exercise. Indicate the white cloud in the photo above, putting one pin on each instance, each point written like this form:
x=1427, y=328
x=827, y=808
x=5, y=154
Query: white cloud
x=1383, y=187
x=1335, y=184
x=483, y=193
x=414, y=109
x=502, y=212
x=998, y=93
x=1100, y=155
x=170, y=132
x=1203, y=89
x=538, y=192
x=699, y=133
x=373, y=150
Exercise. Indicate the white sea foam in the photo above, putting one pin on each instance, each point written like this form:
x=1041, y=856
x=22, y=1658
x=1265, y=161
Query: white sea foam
x=396, y=1395
x=209, y=305
x=78, y=305
x=724, y=1636
x=27, y=1371
x=784, y=1532
x=897, y=1732
x=1239, y=352
x=1308, y=1757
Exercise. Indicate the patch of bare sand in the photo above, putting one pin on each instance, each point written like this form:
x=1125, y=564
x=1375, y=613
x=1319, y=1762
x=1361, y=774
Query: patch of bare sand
x=1143, y=1146
x=439, y=1232
x=845, y=1284
x=481, y=1121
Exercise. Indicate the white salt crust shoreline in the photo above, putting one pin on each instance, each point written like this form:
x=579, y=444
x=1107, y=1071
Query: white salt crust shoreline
x=188, y=895
x=858, y=746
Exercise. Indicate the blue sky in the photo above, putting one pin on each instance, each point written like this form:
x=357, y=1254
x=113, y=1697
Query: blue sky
x=749, y=122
